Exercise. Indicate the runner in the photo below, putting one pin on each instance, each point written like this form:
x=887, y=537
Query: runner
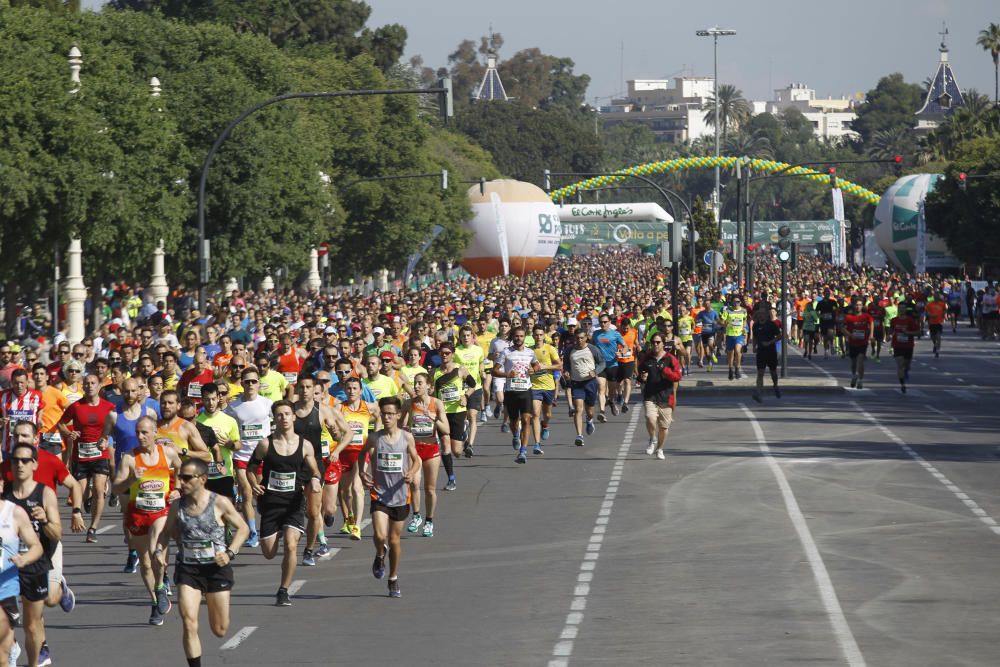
x=904, y=328
x=876, y=308
x=516, y=364
x=470, y=356
x=453, y=386
x=196, y=376
x=284, y=457
x=543, y=387
x=936, y=311
x=54, y=403
x=90, y=453
x=427, y=420
x=198, y=524
x=766, y=336
x=607, y=341
x=734, y=320
x=220, y=473
x=42, y=508
x=685, y=331
x=396, y=467
x=827, y=309
x=860, y=328
x=810, y=329
x=358, y=414
x=147, y=475
x=21, y=548
x=583, y=364
x=252, y=413
x=497, y=346
x=709, y=320
x=18, y=404
x=174, y=431
x=659, y=373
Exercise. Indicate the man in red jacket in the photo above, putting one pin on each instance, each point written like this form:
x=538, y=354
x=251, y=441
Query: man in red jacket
x=659, y=371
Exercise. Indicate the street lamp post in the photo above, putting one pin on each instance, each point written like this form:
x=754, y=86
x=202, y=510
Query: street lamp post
x=444, y=92
x=715, y=32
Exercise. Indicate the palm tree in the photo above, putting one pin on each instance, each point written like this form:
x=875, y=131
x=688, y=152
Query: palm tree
x=890, y=142
x=749, y=144
x=976, y=103
x=989, y=39
x=734, y=110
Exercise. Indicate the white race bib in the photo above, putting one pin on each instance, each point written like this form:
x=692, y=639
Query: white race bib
x=150, y=501
x=194, y=390
x=291, y=378
x=252, y=431
x=423, y=426
x=281, y=482
x=390, y=461
x=450, y=394
x=520, y=384
x=198, y=552
x=857, y=335
x=88, y=451
x=324, y=448
x=215, y=470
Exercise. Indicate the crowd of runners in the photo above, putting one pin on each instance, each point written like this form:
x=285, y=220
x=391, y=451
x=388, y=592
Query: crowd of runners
x=272, y=420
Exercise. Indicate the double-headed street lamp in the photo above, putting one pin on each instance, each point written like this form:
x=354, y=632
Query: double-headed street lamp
x=715, y=33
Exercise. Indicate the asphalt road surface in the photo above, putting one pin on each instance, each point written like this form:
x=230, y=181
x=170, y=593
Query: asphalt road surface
x=848, y=527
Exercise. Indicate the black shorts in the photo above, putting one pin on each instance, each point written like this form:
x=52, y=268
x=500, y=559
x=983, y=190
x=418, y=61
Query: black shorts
x=517, y=403
x=707, y=338
x=87, y=469
x=278, y=514
x=955, y=310
x=205, y=578
x=457, y=424
x=610, y=373
x=475, y=401
x=857, y=350
x=34, y=584
x=12, y=610
x=224, y=486
x=827, y=327
x=768, y=359
x=936, y=328
x=905, y=352
x=625, y=371
x=394, y=513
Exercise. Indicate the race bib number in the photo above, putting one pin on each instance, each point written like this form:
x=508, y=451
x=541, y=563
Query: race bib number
x=685, y=330
x=198, y=552
x=150, y=501
x=359, y=430
x=826, y=316
x=450, y=394
x=52, y=438
x=324, y=448
x=291, y=378
x=857, y=335
x=281, y=482
x=88, y=451
x=423, y=426
x=252, y=431
x=390, y=462
x=215, y=470
x=194, y=390
x=520, y=384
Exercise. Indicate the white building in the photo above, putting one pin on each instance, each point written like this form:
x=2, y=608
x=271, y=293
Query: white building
x=674, y=113
x=831, y=118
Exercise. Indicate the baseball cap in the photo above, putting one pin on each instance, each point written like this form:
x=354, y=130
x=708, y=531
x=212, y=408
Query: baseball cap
x=378, y=330
x=571, y=322
x=329, y=330
x=386, y=354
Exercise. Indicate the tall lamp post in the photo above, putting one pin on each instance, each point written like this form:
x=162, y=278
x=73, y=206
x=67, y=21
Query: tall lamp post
x=715, y=32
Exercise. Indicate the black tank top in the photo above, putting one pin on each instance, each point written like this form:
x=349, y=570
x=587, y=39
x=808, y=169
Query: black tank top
x=34, y=499
x=282, y=473
x=310, y=429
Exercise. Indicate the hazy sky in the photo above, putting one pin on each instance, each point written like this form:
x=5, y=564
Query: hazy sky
x=838, y=48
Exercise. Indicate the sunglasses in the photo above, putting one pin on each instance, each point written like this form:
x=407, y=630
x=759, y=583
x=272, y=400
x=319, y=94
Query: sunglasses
x=343, y=372
x=251, y=381
x=185, y=477
x=22, y=460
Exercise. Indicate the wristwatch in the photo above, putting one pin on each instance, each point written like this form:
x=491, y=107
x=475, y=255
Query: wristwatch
x=231, y=554
x=77, y=510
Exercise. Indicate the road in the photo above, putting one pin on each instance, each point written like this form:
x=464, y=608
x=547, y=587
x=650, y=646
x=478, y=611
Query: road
x=848, y=528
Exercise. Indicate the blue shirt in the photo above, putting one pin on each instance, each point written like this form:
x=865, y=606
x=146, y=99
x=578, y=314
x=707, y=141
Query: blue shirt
x=607, y=342
x=709, y=320
x=338, y=392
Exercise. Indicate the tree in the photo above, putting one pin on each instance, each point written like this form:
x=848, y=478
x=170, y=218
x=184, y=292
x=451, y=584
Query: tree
x=734, y=110
x=705, y=225
x=627, y=144
x=969, y=221
x=750, y=144
x=989, y=39
x=891, y=104
x=887, y=143
x=539, y=80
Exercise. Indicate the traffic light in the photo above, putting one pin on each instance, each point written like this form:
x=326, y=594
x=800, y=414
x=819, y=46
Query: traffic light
x=784, y=243
x=963, y=181
x=897, y=165
x=833, y=177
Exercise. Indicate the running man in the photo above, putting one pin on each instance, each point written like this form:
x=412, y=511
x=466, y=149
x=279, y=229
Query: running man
x=358, y=415
x=453, y=386
x=396, y=464
x=198, y=524
x=936, y=311
x=428, y=422
x=516, y=364
x=766, y=335
x=470, y=356
x=543, y=387
x=904, y=328
x=583, y=364
x=252, y=413
x=147, y=475
x=607, y=341
x=284, y=457
x=21, y=548
x=860, y=328
x=734, y=321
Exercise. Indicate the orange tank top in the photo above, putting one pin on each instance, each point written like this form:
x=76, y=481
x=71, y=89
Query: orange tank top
x=422, y=420
x=148, y=493
x=289, y=364
x=358, y=421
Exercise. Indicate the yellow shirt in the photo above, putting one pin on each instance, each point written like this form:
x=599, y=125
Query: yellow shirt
x=470, y=358
x=546, y=356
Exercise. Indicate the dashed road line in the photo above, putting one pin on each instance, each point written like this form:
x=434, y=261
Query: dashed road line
x=104, y=529
x=563, y=649
x=238, y=638
x=848, y=644
x=296, y=586
x=963, y=497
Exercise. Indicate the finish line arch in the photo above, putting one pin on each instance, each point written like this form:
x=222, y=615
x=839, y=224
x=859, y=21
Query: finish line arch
x=666, y=166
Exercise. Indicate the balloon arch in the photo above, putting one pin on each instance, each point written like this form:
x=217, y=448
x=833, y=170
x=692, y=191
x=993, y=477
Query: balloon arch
x=666, y=166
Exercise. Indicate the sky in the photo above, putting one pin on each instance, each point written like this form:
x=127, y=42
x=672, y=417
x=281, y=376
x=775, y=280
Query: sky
x=838, y=48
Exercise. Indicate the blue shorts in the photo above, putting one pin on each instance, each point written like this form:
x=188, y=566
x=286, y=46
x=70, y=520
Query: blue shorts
x=546, y=396
x=585, y=390
x=733, y=341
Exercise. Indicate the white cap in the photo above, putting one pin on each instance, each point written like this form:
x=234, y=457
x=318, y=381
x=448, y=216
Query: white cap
x=378, y=330
x=329, y=330
x=571, y=322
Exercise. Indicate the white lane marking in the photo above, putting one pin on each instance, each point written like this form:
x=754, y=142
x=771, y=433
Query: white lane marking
x=238, y=638
x=930, y=407
x=104, y=529
x=962, y=497
x=296, y=586
x=563, y=649
x=848, y=644
x=811, y=363
x=330, y=554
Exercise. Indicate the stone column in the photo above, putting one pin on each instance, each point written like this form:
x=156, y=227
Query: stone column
x=267, y=284
x=231, y=286
x=158, y=285
x=313, y=280
x=383, y=280
x=75, y=292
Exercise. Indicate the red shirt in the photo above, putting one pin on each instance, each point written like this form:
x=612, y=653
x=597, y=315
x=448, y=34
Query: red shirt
x=50, y=471
x=900, y=325
x=191, y=382
x=89, y=421
x=858, y=328
x=27, y=407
